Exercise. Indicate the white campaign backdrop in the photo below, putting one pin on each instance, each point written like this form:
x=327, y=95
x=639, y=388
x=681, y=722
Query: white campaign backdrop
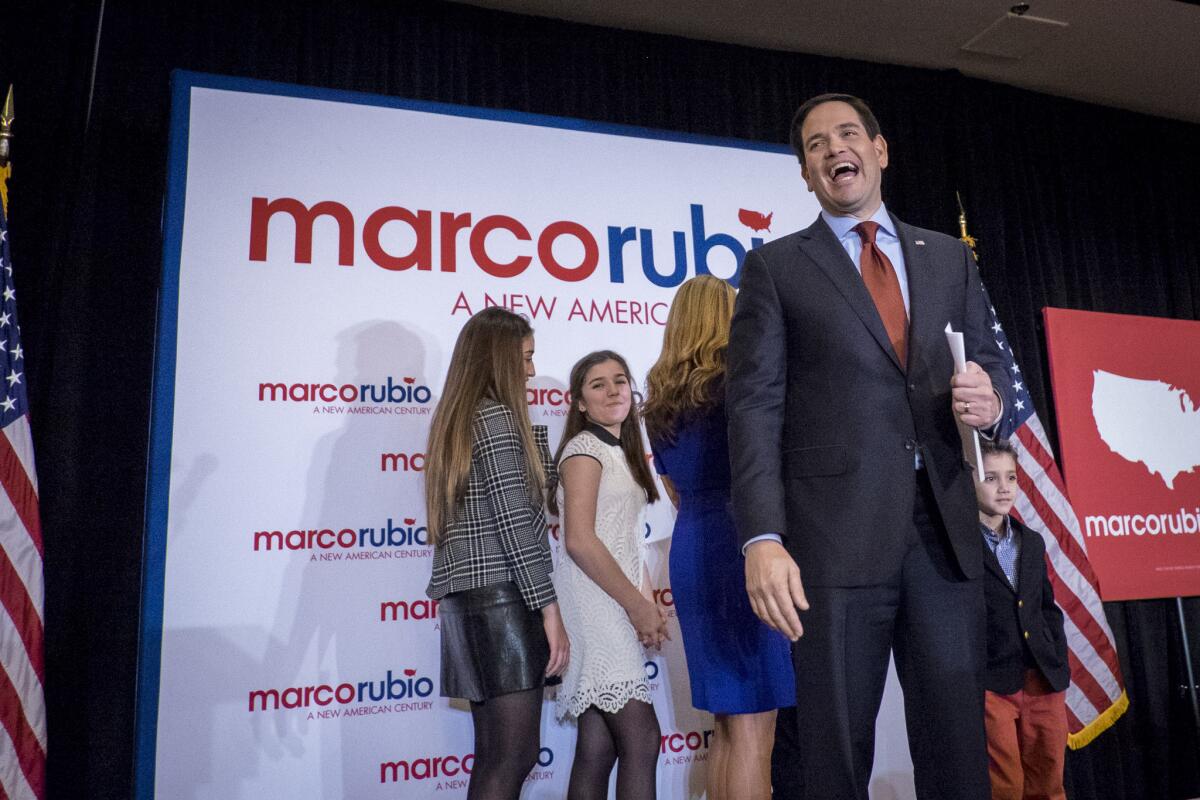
x=254, y=623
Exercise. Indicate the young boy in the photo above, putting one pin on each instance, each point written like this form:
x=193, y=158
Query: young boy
x=1027, y=671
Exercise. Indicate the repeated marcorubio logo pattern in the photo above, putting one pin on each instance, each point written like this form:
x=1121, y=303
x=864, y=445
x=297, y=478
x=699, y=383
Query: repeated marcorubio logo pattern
x=449, y=766
x=406, y=391
x=407, y=685
x=388, y=535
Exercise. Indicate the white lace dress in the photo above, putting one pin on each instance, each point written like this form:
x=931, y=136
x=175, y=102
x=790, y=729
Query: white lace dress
x=607, y=663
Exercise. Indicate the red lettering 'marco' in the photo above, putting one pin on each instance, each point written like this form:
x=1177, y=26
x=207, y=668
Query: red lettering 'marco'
x=679, y=741
x=401, y=462
x=536, y=396
x=395, y=610
x=421, y=222
x=420, y=769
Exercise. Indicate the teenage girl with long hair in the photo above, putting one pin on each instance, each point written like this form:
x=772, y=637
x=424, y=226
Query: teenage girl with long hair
x=603, y=485
x=740, y=670
x=486, y=470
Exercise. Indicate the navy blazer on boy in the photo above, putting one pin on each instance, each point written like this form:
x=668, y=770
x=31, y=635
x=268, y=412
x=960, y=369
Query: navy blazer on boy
x=1025, y=625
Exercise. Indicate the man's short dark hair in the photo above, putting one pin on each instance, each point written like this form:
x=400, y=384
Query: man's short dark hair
x=870, y=124
x=997, y=447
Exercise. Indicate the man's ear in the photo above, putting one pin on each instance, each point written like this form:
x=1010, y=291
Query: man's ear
x=881, y=151
x=804, y=174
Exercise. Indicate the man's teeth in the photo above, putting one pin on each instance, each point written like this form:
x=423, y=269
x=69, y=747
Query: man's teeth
x=842, y=169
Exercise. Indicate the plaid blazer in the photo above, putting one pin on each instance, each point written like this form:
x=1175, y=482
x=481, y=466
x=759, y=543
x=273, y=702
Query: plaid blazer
x=498, y=533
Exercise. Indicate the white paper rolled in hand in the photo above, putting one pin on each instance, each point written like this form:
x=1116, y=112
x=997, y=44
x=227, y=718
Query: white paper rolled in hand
x=971, y=451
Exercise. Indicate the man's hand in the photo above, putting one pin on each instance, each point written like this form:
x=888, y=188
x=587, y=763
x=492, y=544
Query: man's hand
x=972, y=398
x=773, y=583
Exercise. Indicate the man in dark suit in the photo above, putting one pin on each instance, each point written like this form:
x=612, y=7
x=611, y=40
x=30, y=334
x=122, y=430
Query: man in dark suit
x=848, y=466
x=1027, y=669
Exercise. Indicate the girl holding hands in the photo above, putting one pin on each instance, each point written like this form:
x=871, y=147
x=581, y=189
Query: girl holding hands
x=602, y=487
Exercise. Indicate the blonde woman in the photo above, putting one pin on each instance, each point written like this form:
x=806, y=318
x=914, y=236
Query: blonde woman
x=485, y=476
x=740, y=669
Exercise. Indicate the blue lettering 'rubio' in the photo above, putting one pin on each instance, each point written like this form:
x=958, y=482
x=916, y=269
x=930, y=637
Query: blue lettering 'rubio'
x=702, y=245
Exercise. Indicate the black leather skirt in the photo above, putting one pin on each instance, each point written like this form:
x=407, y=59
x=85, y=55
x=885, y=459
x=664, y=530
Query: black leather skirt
x=492, y=644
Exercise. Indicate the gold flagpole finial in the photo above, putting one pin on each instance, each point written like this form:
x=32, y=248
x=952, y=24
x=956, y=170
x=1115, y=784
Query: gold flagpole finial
x=6, y=122
x=963, y=236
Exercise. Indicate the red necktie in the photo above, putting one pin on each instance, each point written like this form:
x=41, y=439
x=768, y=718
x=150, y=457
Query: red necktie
x=880, y=277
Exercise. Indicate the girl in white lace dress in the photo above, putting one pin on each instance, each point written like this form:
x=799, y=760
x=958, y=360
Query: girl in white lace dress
x=605, y=485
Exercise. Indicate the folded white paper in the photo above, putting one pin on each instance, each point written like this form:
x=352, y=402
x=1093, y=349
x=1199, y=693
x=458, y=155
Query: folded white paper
x=969, y=436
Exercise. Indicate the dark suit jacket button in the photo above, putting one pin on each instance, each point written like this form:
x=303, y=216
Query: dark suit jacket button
x=912, y=387
x=909, y=445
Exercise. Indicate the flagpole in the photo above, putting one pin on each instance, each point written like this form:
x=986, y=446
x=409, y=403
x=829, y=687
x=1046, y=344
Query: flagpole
x=963, y=236
x=6, y=121
x=1187, y=659
x=23, y=749
x=6, y=135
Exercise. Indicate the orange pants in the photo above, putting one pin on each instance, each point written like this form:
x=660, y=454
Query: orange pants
x=1027, y=741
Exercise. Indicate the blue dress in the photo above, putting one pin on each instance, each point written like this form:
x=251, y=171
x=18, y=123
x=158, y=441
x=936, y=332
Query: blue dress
x=737, y=665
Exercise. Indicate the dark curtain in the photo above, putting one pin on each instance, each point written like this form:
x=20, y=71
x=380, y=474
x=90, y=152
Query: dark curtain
x=1074, y=205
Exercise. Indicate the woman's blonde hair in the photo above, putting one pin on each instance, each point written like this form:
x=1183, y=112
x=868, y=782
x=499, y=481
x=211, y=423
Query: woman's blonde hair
x=690, y=373
x=487, y=363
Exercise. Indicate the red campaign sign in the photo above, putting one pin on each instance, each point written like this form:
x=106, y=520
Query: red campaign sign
x=1127, y=393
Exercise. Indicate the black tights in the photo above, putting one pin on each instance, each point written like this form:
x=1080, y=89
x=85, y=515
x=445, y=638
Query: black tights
x=507, y=742
x=629, y=737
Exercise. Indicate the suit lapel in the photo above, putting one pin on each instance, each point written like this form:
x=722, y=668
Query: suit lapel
x=993, y=564
x=920, y=290
x=1029, y=561
x=822, y=248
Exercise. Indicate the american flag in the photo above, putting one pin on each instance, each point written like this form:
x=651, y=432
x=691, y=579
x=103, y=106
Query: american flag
x=22, y=704
x=1096, y=696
